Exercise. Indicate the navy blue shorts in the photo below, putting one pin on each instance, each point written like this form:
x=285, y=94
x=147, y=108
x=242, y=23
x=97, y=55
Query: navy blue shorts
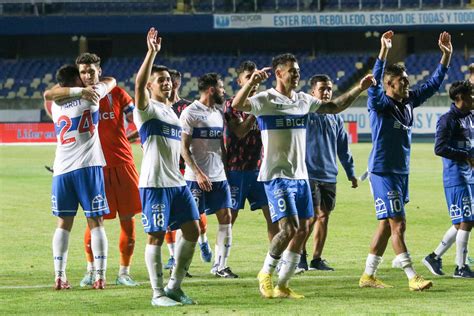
x=244, y=186
x=289, y=198
x=210, y=202
x=164, y=208
x=83, y=186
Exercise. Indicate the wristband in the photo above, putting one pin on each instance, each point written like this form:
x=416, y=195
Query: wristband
x=75, y=92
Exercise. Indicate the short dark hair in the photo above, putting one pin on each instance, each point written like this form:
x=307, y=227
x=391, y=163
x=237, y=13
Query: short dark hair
x=459, y=87
x=88, y=59
x=159, y=68
x=319, y=78
x=208, y=80
x=394, y=70
x=174, y=74
x=282, y=60
x=247, y=65
x=67, y=75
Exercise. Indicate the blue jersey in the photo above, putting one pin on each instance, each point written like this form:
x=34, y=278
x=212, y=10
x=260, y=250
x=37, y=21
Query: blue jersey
x=454, y=132
x=326, y=138
x=391, y=121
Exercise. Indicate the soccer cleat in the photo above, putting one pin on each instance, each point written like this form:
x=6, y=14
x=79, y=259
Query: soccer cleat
x=164, y=301
x=179, y=296
x=206, y=252
x=214, y=269
x=265, y=284
x=299, y=271
x=88, y=279
x=61, y=285
x=170, y=263
x=418, y=283
x=464, y=272
x=303, y=264
x=320, y=264
x=226, y=273
x=434, y=265
x=125, y=279
x=285, y=292
x=99, y=284
x=371, y=281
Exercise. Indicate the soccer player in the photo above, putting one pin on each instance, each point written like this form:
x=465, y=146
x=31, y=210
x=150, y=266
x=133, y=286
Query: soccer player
x=326, y=139
x=471, y=73
x=166, y=200
x=179, y=105
x=244, y=152
x=204, y=153
x=78, y=181
x=390, y=106
x=120, y=175
x=282, y=117
x=454, y=131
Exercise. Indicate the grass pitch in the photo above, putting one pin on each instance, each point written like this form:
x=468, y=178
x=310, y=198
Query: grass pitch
x=26, y=267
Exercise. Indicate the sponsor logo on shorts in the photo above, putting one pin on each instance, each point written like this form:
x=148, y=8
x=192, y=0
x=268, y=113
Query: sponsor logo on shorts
x=393, y=194
x=157, y=208
x=196, y=192
x=279, y=193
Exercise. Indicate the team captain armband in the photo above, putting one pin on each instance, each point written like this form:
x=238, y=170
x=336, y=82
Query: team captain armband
x=129, y=108
x=75, y=92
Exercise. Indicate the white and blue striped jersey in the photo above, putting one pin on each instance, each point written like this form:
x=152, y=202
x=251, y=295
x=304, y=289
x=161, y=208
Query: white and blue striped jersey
x=160, y=135
x=283, y=121
x=205, y=125
x=75, y=124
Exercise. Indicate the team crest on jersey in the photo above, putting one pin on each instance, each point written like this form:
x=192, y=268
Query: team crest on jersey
x=380, y=207
x=99, y=203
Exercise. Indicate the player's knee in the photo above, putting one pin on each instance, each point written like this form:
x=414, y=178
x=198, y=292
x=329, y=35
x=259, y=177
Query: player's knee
x=399, y=229
x=323, y=218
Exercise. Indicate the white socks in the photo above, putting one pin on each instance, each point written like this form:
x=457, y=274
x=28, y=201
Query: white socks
x=60, y=247
x=100, y=246
x=171, y=249
x=372, y=263
x=407, y=265
x=269, y=264
x=202, y=238
x=448, y=239
x=184, y=256
x=155, y=269
x=462, y=239
x=289, y=262
x=124, y=270
x=224, y=242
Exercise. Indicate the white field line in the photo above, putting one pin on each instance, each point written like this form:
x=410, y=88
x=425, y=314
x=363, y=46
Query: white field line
x=193, y=280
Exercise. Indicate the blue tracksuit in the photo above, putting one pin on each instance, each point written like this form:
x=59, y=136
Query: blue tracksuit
x=326, y=138
x=454, y=142
x=391, y=122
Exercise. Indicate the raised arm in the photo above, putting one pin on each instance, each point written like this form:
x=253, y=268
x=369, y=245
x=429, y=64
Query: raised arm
x=446, y=48
x=241, y=101
x=342, y=102
x=58, y=93
x=154, y=46
x=201, y=178
x=237, y=125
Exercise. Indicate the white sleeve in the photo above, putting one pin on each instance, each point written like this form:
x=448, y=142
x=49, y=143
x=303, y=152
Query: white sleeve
x=101, y=89
x=186, y=122
x=143, y=115
x=314, y=103
x=258, y=102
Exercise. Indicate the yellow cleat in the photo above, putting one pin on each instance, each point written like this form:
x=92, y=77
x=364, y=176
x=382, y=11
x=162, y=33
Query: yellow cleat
x=418, y=283
x=265, y=284
x=371, y=281
x=285, y=292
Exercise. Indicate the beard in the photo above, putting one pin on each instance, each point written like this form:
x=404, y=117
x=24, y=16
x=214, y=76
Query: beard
x=218, y=99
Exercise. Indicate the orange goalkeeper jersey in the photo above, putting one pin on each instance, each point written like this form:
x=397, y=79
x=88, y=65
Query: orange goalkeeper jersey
x=113, y=108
